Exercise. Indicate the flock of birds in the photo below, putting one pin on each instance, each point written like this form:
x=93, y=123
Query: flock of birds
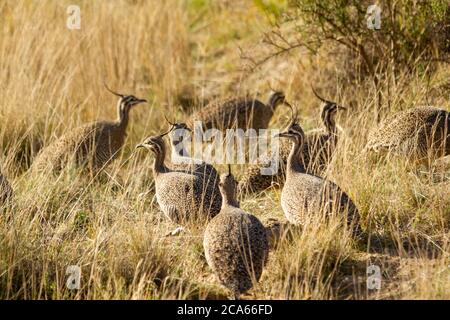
x=236, y=242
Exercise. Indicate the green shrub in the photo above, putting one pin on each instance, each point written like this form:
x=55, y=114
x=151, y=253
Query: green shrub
x=412, y=33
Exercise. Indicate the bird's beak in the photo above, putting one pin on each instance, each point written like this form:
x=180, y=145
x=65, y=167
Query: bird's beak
x=287, y=104
x=142, y=101
x=282, y=135
x=141, y=145
x=339, y=107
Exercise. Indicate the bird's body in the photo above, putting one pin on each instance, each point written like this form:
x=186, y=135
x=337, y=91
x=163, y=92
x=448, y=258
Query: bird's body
x=316, y=154
x=202, y=169
x=6, y=191
x=235, y=243
x=416, y=133
x=305, y=195
x=319, y=147
x=243, y=112
x=185, y=196
x=92, y=146
x=182, y=194
x=253, y=181
x=236, y=248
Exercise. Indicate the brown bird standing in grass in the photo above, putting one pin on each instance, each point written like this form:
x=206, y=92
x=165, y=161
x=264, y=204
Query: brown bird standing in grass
x=321, y=143
x=305, y=195
x=235, y=242
x=315, y=156
x=92, y=146
x=419, y=134
x=6, y=192
x=182, y=161
x=183, y=195
x=243, y=113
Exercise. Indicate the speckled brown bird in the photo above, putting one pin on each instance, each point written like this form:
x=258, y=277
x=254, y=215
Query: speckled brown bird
x=321, y=143
x=419, y=134
x=92, y=146
x=317, y=152
x=235, y=242
x=305, y=195
x=182, y=195
x=6, y=191
x=243, y=113
x=182, y=161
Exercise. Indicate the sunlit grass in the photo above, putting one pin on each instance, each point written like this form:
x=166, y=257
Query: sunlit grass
x=52, y=80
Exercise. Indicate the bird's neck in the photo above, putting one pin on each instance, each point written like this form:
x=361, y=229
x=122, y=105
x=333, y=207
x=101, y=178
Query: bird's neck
x=229, y=199
x=123, y=120
x=293, y=162
x=271, y=106
x=330, y=126
x=328, y=120
x=332, y=132
x=158, y=163
x=123, y=116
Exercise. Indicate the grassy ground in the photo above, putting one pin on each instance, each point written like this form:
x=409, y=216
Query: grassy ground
x=52, y=80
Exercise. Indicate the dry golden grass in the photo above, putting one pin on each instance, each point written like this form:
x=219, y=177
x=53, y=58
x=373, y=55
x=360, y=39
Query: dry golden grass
x=52, y=80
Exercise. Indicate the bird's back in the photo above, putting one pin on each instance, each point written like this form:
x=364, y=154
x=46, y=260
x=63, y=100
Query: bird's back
x=306, y=194
x=90, y=145
x=244, y=112
x=187, y=164
x=184, y=195
x=236, y=248
x=317, y=152
x=412, y=132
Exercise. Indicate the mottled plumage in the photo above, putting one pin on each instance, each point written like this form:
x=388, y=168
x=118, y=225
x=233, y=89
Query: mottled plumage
x=305, y=195
x=417, y=133
x=316, y=153
x=243, y=112
x=6, y=192
x=182, y=195
x=90, y=146
x=235, y=243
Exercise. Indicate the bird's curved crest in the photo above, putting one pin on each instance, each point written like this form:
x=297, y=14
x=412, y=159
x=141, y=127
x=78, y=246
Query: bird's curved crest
x=294, y=112
x=113, y=92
